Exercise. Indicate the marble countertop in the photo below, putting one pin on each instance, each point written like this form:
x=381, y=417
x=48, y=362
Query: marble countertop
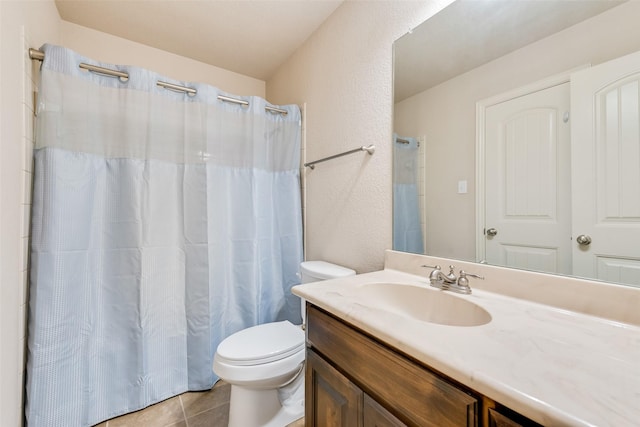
x=557, y=367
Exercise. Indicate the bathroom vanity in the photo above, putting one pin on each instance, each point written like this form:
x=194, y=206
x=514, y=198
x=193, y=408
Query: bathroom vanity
x=379, y=354
x=343, y=362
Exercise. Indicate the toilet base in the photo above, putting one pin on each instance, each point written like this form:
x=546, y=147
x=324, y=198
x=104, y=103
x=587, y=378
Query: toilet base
x=260, y=408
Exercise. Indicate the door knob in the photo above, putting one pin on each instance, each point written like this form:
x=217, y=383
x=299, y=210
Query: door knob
x=583, y=240
x=492, y=232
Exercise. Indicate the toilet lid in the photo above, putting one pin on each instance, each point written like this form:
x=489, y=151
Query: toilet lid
x=262, y=344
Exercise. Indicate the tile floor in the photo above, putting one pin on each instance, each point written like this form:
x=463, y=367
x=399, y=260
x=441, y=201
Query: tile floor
x=192, y=409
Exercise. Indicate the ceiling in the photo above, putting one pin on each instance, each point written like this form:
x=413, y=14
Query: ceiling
x=250, y=37
x=470, y=33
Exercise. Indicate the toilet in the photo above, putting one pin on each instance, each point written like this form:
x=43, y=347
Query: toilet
x=265, y=364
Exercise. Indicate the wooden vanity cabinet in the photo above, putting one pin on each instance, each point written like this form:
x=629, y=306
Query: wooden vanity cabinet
x=353, y=380
x=336, y=400
x=375, y=415
x=339, y=402
x=503, y=417
x=351, y=377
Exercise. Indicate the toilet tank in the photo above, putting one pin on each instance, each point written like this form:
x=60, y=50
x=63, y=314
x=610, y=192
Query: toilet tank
x=314, y=271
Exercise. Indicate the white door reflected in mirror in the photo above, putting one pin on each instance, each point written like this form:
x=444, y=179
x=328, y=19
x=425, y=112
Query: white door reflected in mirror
x=605, y=102
x=527, y=181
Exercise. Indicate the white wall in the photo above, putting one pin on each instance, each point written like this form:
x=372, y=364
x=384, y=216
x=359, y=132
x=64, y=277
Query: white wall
x=344, y=75
x=22, y=24
x=115, y=50
x=446, y=114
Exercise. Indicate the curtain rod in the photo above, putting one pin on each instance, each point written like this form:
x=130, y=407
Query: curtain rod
x=406, y=141
x=38, y=55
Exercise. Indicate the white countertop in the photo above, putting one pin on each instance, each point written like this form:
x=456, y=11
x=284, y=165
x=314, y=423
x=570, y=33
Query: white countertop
x=557, y=367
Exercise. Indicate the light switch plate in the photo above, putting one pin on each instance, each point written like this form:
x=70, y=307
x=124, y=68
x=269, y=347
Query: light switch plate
x=462, y=187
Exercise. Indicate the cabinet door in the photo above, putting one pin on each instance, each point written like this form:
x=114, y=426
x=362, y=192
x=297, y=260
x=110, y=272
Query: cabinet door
x=331, y=399
x=377, y=416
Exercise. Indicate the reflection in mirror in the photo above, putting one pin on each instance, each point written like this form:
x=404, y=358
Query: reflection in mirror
x=407, y=227
x=527, y=113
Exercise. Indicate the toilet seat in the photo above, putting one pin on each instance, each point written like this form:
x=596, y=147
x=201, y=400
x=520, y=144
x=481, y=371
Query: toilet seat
x=261, y=344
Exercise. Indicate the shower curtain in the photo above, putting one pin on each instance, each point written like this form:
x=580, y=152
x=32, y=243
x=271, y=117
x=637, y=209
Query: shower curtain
x=407, y=231
x=161, y=224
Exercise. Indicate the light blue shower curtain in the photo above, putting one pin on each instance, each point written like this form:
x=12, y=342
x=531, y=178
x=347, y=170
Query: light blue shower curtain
x=407, y=230
x=162, y=223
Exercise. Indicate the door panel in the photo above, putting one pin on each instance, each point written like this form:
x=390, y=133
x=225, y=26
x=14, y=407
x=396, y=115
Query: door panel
x=336, y=401
x=377, y=416
x=530, y=258
x=618, y=270
x=605, y=101
x=527, y=182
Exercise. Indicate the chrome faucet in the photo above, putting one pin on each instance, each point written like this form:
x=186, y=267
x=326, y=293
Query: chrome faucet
x=438, y=279
x=449, y=281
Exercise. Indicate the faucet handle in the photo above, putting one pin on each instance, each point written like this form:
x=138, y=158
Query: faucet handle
x=464, y=274
x=463, y=281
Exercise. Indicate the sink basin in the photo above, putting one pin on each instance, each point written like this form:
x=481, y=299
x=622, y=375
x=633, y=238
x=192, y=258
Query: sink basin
x=423, y=303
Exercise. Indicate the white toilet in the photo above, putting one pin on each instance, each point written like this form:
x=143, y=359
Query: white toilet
x=265, y=364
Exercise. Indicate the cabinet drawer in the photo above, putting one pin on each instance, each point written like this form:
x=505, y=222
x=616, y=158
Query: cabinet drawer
x=508, y=418
x=410, y=392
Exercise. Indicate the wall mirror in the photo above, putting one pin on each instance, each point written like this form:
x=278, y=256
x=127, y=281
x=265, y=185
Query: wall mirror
x=517, y=136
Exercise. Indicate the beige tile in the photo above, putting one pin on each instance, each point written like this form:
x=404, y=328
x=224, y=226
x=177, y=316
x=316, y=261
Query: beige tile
x=216, y=417
x=104, y=424
x=298, y=423
x=196, y=402
x=161, y=414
